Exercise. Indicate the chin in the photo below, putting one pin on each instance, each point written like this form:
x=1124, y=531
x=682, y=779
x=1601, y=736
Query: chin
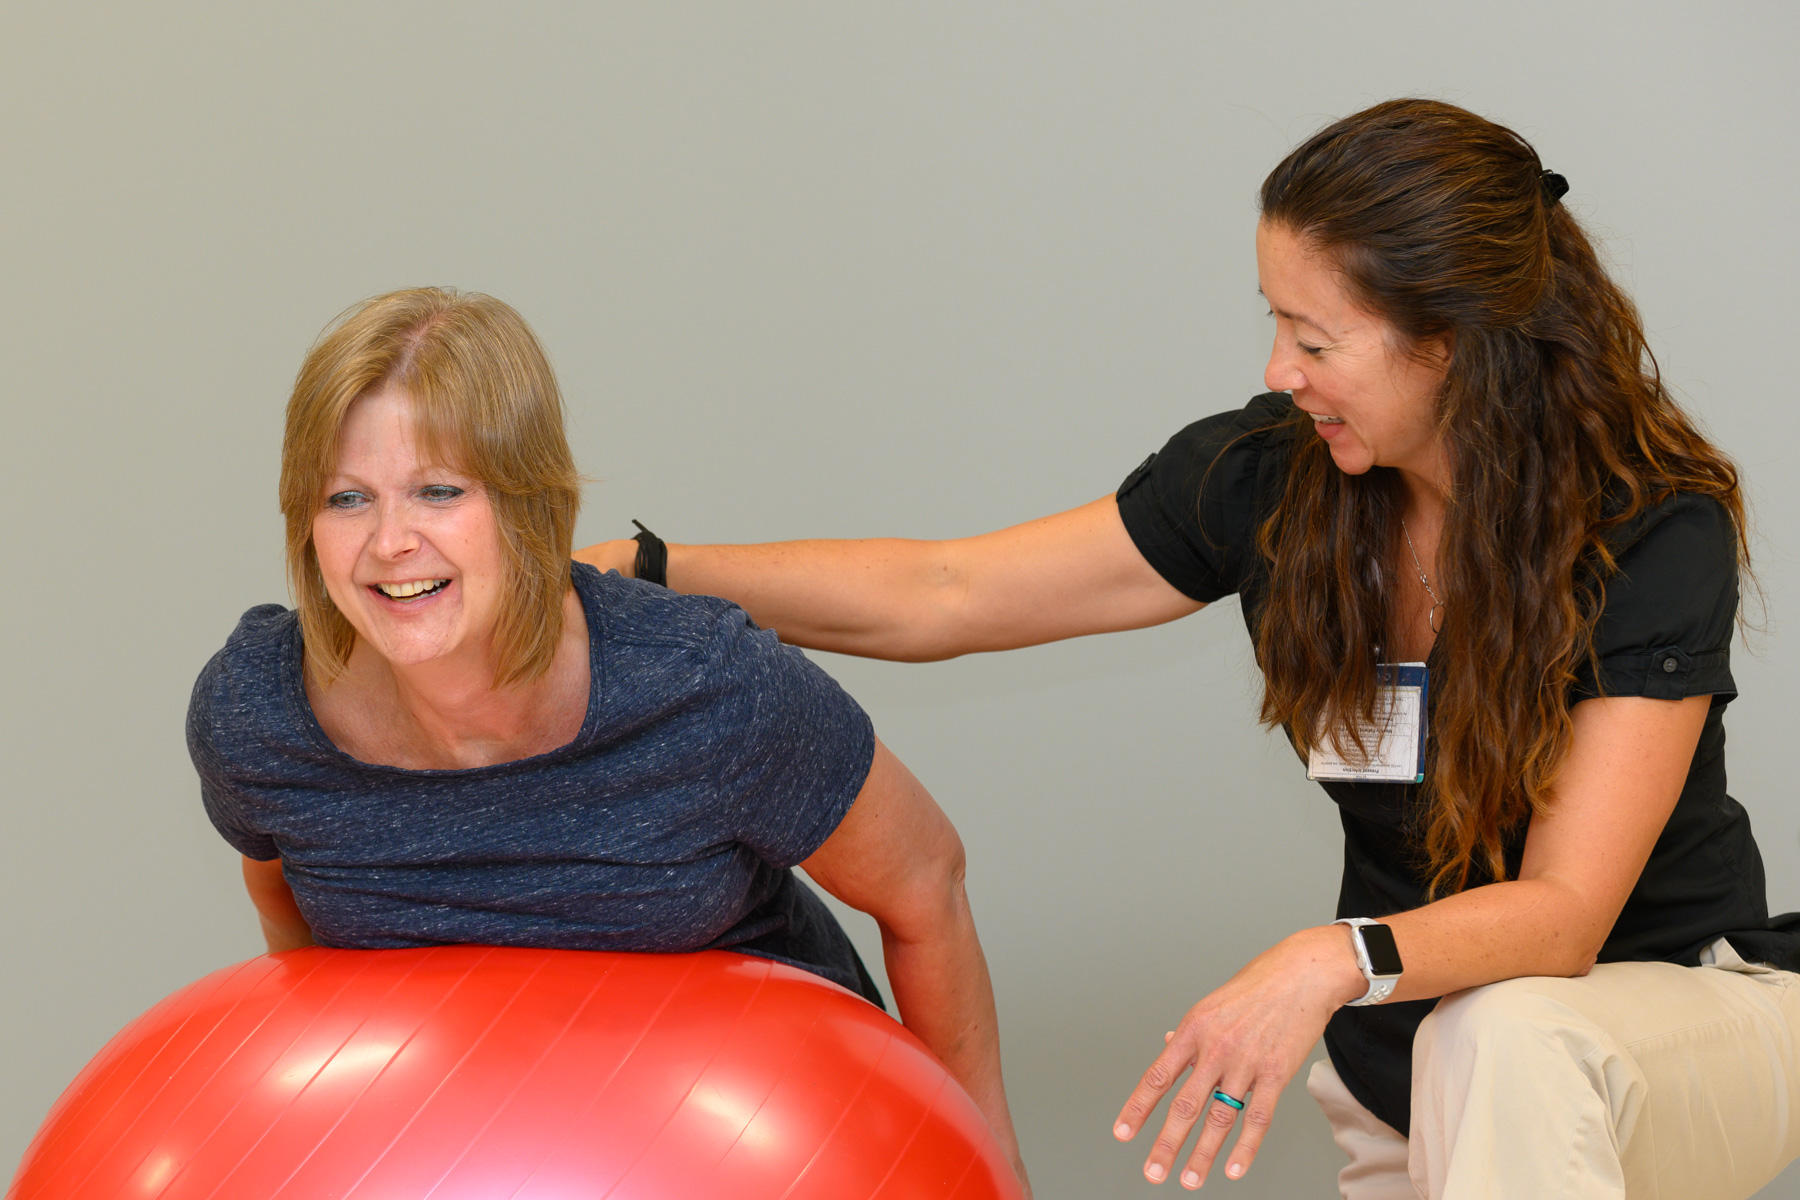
x=1358, y=463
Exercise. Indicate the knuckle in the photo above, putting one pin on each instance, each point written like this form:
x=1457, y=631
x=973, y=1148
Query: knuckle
x=1221, y=1117
x=1158, y=1076
x=1184, y=1107
x=1258, y=1118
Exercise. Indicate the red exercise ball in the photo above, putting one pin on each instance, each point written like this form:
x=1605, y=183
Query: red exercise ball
x=485, y=1073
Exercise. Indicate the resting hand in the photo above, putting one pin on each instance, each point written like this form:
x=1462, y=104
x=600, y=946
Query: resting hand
x=1246, y=1039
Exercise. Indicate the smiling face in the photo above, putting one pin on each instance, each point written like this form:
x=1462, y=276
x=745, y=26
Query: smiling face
x=1373, y=403
x=410, y=552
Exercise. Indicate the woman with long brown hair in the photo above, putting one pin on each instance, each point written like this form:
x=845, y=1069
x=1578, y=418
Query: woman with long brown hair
x=1490, y=570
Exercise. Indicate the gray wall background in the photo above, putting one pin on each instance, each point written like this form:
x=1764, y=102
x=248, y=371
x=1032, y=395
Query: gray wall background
x=805, y=269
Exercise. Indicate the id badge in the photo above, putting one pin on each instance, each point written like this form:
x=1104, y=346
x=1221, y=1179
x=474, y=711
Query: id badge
x=1396, y=738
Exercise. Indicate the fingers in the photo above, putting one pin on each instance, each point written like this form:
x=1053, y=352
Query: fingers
x=1220, y=1116
x=1259, y=1114
x=1196, y=1104
x=1187, y=1106
x=1176, y=1057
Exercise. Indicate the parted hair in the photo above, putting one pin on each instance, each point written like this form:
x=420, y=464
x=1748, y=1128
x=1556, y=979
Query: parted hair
x=485, y=402
x=1559, y=430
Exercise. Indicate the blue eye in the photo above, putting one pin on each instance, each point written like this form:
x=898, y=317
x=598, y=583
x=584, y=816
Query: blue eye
x=440, y=492
x=345, y=500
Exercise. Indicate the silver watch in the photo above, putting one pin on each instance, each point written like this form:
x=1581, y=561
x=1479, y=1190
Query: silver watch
x=1376, y=955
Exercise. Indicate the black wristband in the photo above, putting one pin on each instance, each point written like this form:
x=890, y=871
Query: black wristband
x=652, y=564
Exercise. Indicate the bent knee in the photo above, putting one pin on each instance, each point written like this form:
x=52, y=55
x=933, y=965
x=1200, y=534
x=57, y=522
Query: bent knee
x=1514, y=1021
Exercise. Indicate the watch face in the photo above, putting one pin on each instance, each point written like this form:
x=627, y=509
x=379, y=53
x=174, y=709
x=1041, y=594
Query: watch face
x=1384, y=956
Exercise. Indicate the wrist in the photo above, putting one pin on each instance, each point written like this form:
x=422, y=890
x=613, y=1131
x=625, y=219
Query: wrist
x=1342, y=973
x=651, y=563
x=1331, y=963
x=1377, y=957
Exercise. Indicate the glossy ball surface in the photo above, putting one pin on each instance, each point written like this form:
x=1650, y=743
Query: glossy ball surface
x=483, y=1073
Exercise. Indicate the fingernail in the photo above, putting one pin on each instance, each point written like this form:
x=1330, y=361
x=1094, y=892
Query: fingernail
x=1155, y=1172
x=1190, y=1179
x=1235, y=1170
x=1122, y=1131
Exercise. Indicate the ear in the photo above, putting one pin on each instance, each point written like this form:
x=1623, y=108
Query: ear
x=1440, y=349
x=1434, y=352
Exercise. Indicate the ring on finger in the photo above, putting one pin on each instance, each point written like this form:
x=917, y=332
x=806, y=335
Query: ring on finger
x=1222, y=1098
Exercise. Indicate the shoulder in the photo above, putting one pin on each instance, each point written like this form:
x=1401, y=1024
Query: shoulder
x=652, y=640
x=1670, y=607
x=1237, y=439
x=1193, y=507
x=734, y=687
x=1681, y=523
x=638, y=614
x=241, y=687
x=1678, y=558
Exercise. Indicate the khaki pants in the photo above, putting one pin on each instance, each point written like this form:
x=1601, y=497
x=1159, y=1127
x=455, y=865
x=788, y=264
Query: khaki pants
x=1640, y=1080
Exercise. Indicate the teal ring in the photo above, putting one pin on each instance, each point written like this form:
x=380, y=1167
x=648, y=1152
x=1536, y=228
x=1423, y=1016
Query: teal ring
x=1223, y=1098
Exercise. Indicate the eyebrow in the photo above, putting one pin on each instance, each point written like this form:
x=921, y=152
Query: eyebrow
x=1300, y=317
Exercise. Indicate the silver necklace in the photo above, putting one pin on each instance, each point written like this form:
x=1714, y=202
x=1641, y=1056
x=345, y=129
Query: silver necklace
x=1437, y=606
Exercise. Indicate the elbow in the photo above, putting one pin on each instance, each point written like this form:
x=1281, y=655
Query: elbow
x=1574, y=953
x=933, y=903
x=1574, y=960
x=937, y=622
x=1569, y=922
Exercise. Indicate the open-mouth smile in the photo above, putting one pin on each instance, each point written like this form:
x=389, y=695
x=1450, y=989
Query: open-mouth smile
x=412, y=591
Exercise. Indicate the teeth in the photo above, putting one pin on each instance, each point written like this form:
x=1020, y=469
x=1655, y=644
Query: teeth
x=1317, y=419
x=401, y=591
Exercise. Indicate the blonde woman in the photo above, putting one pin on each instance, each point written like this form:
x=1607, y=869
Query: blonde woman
x=459, y=736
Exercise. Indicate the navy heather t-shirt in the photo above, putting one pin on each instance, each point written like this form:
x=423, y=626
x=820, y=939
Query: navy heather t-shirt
x=711, y=760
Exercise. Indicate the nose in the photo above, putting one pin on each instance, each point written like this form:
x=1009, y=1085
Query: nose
x=1283, y=374
x=395, y=537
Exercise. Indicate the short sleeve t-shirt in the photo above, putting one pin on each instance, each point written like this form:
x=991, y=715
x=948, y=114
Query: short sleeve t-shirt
x=1194, y=508
x=710, y=761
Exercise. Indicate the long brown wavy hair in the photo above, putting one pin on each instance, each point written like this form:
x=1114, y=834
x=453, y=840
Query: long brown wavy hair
x=1558, y=430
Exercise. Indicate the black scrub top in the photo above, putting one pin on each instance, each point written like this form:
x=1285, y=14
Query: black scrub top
x=1193, y=510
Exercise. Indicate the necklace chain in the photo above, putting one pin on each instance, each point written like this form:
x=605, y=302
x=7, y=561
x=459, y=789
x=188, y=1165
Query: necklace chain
x=1437, y=605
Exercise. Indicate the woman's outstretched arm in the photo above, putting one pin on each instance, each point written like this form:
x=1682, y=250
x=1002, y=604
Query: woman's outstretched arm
x=1062, y=576
x=896, y=857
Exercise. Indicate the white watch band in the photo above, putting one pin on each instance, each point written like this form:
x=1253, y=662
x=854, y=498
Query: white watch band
x=1380, y=986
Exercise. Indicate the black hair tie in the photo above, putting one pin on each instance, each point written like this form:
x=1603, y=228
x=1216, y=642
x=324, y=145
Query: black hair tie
x=1555, y=187
x=652, y=564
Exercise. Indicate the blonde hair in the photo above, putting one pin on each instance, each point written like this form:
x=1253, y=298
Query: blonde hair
x=484, y=400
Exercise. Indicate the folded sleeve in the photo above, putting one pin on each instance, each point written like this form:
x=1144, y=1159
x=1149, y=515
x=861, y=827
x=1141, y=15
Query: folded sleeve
x=1192, y=508
x=794, y=748
x=1671, y=609
x=224, y=803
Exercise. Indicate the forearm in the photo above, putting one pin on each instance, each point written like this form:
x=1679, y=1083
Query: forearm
x=286, y=935
x=284, y=927
x=941, y=987
x=1066, y=575
x=1501, y=931
x=880, y=597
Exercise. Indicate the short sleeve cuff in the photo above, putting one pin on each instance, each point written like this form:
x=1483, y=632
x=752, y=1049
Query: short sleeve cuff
x=1663, y=673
